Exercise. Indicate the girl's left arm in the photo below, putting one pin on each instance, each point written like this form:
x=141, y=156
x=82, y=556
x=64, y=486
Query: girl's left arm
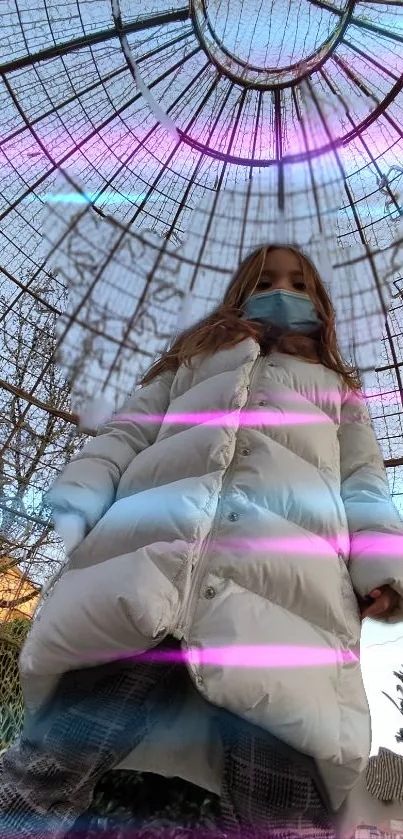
x=376, y=530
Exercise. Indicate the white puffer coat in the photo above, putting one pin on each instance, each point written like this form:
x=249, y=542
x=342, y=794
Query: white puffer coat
x=236, y=504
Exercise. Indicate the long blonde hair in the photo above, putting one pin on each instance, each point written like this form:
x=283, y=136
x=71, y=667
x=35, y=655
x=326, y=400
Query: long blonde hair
x=224, y=327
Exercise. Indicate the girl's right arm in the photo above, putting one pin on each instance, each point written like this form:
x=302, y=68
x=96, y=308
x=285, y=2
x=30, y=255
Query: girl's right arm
x=71, y=528
x=86, y=488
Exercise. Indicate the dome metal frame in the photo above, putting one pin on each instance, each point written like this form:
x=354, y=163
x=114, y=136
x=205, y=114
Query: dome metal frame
x=73, y=113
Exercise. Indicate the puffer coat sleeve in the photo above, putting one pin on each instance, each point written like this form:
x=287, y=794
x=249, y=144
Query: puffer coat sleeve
x=88, y=484
x=376, y=530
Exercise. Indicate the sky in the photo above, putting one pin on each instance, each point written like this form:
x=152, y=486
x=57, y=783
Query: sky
x=381, y=654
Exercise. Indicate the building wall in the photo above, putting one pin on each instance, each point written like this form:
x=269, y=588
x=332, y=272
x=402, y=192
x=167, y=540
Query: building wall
x=13, y=588
x=361, y=807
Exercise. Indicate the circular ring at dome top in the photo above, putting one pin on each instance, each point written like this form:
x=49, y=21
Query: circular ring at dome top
x=269, y=43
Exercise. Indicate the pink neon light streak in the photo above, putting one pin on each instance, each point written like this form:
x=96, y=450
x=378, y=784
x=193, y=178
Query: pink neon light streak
x=216, y=418
x=385, y=544
x=273, y=656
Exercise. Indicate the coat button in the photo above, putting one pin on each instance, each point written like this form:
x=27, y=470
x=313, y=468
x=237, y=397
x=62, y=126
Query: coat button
x=270, y=364
x=233, y=516
x=210, y=592
x=262, y=403
x=245, y=452
x=199, y=680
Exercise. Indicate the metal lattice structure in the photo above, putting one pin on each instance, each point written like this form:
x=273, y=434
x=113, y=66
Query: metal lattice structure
x=121, y=119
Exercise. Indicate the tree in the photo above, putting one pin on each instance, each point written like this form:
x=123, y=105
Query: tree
x=398, y=704
x=37, y=434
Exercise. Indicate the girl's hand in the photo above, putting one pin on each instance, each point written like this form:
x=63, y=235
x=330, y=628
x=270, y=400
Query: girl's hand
x=386, y=599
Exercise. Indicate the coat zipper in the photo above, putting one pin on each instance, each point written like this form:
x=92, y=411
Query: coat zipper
x=194, y=587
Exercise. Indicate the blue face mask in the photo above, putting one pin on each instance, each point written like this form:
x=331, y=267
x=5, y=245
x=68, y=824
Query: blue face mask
x=286, y=309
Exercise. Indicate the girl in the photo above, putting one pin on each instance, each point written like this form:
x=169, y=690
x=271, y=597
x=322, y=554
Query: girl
x=235, y=513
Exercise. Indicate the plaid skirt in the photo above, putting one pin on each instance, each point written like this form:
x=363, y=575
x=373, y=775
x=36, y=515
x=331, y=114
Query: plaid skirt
x=99, y=715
